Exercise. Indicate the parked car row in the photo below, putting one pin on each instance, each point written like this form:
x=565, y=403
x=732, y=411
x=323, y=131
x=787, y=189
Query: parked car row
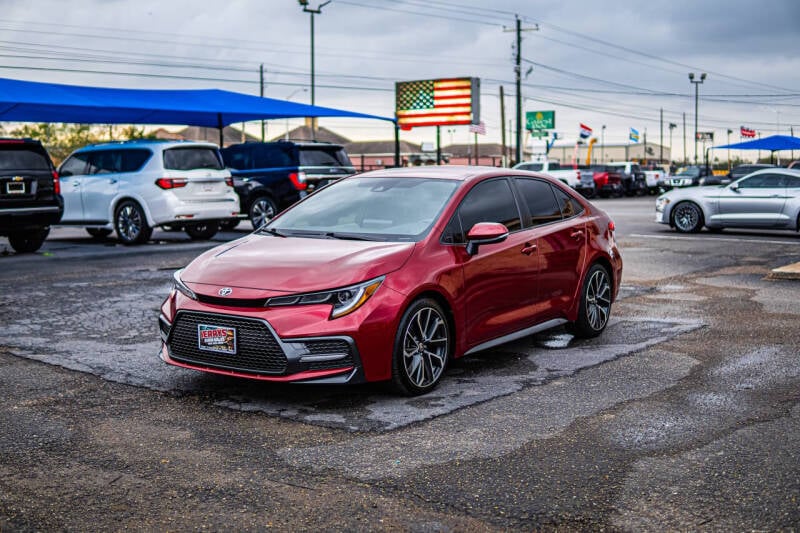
x=132, y=187
x=610, y=179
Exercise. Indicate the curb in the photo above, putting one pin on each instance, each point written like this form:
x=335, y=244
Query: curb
x=786, y=272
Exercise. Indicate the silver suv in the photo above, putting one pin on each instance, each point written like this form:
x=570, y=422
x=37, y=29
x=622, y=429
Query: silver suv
x=132, y=187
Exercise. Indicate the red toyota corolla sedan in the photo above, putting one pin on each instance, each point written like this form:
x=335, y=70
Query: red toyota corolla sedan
x=388, y=275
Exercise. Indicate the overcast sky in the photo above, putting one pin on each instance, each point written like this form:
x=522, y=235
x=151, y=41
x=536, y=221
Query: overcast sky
x=613, y=63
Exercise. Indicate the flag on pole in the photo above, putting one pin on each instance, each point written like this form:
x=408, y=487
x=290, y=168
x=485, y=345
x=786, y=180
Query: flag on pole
x=747, y=132
x=586, y=131
x=634, y=135
x=479, y=128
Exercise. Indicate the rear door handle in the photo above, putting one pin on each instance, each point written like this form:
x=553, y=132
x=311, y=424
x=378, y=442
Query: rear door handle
x=528, y=249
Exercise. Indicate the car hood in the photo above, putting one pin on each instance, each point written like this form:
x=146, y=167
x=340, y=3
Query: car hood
x=293, y=264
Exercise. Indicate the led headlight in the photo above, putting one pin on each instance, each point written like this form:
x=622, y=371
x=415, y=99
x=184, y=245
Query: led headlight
x=179, y=286
x=344, y=300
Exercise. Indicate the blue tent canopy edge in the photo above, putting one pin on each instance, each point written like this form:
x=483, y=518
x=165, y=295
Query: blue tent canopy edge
x=772, y=143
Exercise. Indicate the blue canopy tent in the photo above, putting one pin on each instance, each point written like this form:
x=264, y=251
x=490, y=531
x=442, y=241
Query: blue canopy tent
x=773, y=143
x=28, y=101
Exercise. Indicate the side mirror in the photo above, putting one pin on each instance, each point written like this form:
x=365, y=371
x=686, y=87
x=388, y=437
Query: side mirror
x=485, y=233
x=734, y=187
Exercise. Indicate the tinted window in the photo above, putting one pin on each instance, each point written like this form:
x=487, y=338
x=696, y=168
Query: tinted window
x=490, y=201
x=324, y=156
x=762, y=181
x=271, y=156
x=569, y=206
x=191, y=158
x=453, y=233
x=134, y=160
x=21, y=157
x=538, y=196
x=530, y=166
x=105, y=161
x=75, y=165
x=793, y=182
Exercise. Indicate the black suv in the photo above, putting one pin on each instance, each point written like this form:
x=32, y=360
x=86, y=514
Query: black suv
x=29, y=194
x=271, y=176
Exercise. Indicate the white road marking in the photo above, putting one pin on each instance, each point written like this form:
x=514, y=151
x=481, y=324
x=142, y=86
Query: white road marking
x=707, y=238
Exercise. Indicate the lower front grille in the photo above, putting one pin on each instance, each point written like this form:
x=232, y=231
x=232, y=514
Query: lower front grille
x=330, y=347
x=257, y=350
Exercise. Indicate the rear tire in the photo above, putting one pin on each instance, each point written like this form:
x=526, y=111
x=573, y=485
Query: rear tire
x=228, y=225
x=595, y=305
x=98, y=233
x=261, y=211
x=687, y=217
x=202, y=231
x=422, y=347
x=26, y=242
x=131, y=224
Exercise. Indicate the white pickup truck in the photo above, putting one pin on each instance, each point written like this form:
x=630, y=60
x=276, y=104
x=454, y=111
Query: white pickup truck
x=567, y=174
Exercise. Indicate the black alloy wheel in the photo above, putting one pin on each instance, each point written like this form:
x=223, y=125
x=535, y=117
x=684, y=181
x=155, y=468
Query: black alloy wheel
x=262, y=210
x=131, y=224
x=687, y=217
x=421, y=348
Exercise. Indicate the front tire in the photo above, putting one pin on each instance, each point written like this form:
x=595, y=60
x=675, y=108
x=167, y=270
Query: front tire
x=27, y=242
x=131, y=224
x=595, y=305
x=202, y=231
x=262, y=210
x=421, y=348
x=687, y=217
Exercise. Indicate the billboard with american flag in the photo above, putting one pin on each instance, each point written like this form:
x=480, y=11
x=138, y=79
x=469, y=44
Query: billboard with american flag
x=444, y=102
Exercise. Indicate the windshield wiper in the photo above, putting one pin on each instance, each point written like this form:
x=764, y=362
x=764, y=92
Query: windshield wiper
x=271, y=231
x=352, y=236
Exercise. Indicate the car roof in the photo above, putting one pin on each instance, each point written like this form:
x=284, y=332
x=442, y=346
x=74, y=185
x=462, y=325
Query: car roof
x=138, y=143
x=449, y=172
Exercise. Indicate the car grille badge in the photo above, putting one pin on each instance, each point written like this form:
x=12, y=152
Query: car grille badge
x=225, y=291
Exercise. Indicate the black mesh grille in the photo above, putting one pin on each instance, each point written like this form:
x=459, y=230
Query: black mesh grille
x=256, y=348
x=329, y=347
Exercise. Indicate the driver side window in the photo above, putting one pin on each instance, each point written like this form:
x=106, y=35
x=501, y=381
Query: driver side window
x=763, y=181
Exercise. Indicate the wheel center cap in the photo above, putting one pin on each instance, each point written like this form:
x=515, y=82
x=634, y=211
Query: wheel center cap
x=421, y=347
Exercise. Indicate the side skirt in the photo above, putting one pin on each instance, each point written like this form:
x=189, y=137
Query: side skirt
x=516, y=335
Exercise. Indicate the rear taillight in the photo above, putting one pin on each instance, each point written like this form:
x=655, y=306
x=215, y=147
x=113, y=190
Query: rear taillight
x=298, y=179
x=229, y=181
x=171, y=183
x=56, y=183
x=578, y=173
x=601, y=179
x=611, y=226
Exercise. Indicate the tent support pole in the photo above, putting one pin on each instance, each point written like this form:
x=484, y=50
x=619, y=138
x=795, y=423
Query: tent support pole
x=219, y=125
x=397, y=162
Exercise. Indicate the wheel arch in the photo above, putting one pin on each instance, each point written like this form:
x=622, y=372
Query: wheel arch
x=135, y=198
x=444, y=302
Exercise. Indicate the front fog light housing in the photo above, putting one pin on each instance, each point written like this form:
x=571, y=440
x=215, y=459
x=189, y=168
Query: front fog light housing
x=344, y=300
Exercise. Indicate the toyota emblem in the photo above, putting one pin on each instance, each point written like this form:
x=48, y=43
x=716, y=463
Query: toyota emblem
x=225, y=291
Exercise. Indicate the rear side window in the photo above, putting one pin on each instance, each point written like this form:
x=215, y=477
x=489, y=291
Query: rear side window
x=324, y=157
x=75, y=165
x=569, y=206
x=21, y=157
x=792, y=182
x=271, y=156
x=538, y=196
x=489, y=201
x=105, y=162
x=192, y=158
x=134, y=160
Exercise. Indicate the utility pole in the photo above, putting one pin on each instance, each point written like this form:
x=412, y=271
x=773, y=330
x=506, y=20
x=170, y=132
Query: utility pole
x=696, y=84
x=518, y=78
x=685, y=159
x=603, y=144
x=729, y=151
x=672, y=126
x=312, y=12
x=502, y=129
x=261, y=76
x=661, y=138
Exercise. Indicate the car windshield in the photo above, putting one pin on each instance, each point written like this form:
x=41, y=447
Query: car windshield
x=692, y=172
x=364, y=208
x=192, y=158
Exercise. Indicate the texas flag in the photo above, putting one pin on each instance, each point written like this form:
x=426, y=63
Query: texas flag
x=586, y=131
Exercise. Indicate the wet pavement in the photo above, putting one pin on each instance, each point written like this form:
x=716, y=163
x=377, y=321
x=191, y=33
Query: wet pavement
x=683, y=415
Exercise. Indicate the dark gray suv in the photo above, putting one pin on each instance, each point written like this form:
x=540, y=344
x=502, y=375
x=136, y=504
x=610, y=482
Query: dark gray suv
x=271, y=176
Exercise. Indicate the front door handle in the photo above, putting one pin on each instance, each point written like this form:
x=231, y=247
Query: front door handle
x=577, y=234
x=112, y=181
x=528, y=249
x=76, y=183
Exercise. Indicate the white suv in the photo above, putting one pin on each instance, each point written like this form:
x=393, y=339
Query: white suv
x=133, y=186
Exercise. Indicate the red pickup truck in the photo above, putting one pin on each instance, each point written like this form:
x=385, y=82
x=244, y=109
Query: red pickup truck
x=607, y=180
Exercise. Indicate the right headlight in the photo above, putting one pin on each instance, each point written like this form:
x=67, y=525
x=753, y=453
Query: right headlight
x=179, y=286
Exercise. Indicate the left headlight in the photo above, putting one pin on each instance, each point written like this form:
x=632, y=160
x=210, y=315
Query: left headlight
x=661, y=203
x=179, y=286
x=344, y=300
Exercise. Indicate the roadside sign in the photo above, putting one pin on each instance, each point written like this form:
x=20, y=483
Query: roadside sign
x=539, y=134
x=540, y=120
x=705, y=136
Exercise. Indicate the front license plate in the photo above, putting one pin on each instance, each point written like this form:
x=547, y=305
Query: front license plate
x=216, y=338
x=15, y=187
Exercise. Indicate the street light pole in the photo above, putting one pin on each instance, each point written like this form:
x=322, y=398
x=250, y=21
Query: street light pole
x=672, y=126
x=312, y=12
x=603, y=144
x=301, y=89
x=696, y=84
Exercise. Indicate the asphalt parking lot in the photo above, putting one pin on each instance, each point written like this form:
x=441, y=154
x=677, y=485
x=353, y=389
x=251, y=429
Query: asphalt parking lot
x=684, y=414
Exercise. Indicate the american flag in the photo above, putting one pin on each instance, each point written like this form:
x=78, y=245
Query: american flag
x=747, y=132
x=479, y=128
x=434, y=102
